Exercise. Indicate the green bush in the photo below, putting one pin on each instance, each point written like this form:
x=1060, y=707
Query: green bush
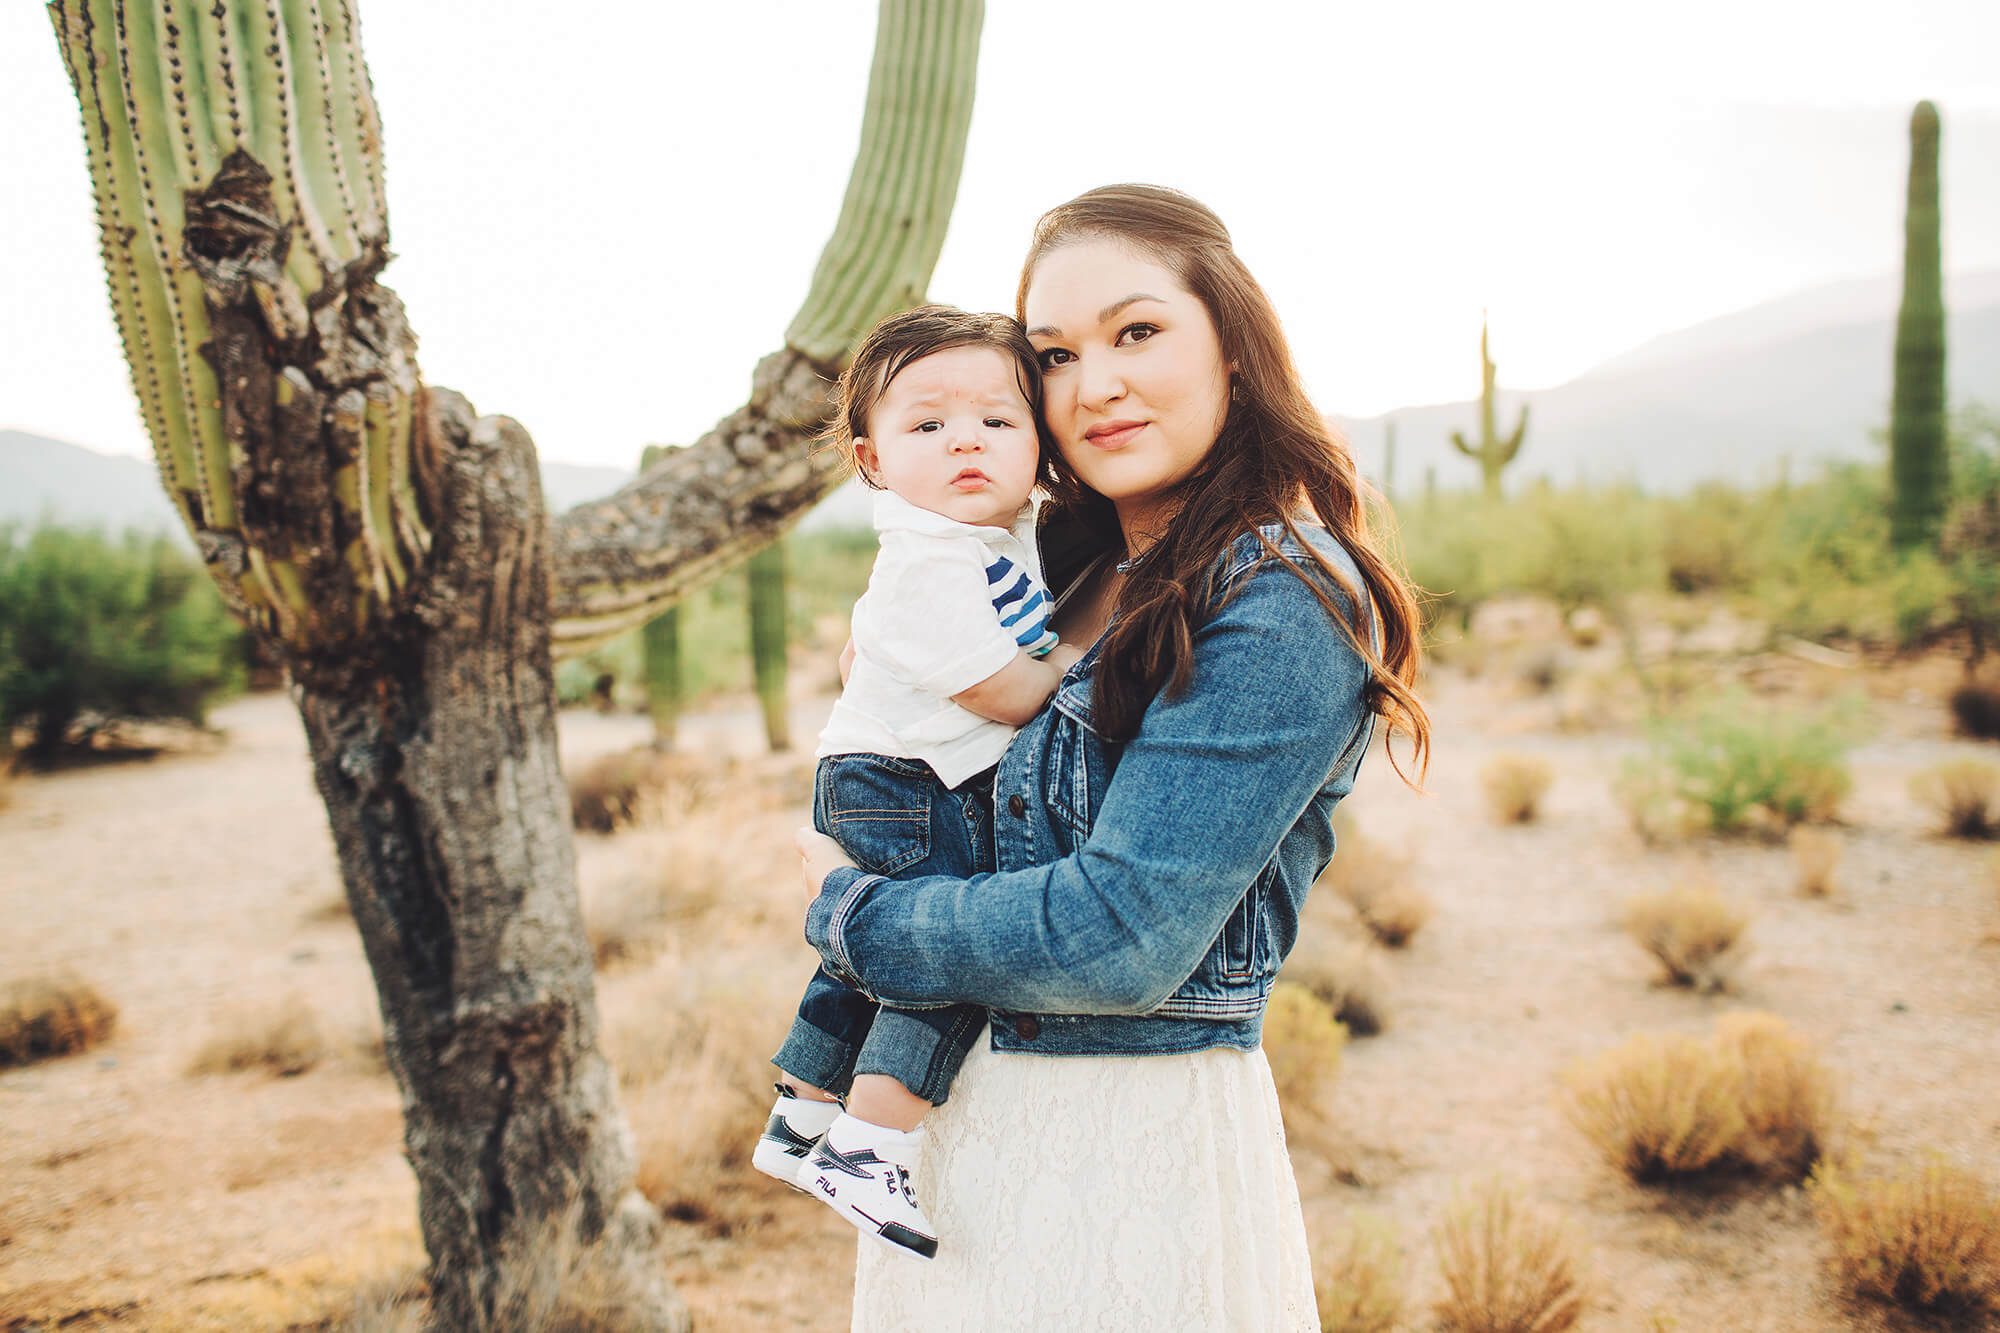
x=1737, y=761
x=127, y=627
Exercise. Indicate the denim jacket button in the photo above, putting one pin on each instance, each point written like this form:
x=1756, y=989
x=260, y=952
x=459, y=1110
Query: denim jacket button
x=1016, y=806
x=1027, y=1029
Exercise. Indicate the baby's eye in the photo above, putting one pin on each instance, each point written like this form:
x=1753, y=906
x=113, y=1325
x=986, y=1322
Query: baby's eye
x=1051, y=357
x=927, y=427
x=998, y=423
x=1136, y=333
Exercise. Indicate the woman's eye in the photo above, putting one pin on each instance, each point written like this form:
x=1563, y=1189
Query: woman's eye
x=1051, y=357
x=1136, y=333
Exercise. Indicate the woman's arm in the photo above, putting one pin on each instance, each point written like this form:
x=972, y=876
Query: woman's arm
x=1199, y=801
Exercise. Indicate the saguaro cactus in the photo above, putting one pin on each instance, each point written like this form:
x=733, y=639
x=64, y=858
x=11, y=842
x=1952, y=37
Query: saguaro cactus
x=1918, y=464
x=767, y=641
x=660, y=655
x=1389, y=458
x=1492, y=452
x=391, y=546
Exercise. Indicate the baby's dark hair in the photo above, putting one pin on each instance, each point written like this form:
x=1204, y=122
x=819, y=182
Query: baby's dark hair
x=901, y=340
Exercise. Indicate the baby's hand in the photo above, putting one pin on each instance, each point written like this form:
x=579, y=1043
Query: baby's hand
x=1063, y=656
x=819, y=856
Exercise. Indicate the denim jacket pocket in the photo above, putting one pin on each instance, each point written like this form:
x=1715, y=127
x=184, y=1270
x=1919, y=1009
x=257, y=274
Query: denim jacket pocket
x=878, y=809
x=1237, y=948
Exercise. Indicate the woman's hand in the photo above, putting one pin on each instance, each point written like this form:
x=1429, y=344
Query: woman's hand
x=821, y=856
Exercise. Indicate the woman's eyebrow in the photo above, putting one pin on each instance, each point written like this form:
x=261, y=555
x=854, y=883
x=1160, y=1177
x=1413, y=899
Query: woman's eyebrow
x=1104, y=316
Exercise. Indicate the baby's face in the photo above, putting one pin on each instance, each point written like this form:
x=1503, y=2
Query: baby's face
x=952, y=434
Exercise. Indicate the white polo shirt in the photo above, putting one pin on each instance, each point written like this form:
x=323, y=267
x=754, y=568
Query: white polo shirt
x=948, y=604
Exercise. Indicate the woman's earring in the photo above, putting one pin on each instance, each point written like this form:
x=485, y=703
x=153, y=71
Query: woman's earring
x=1235, y=390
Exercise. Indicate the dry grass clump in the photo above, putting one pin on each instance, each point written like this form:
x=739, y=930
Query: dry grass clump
x=1694, y=931
x=1927, y=1238
x=1507, y=1267
x=1965, y=794
x=648, y=882
x=1515, y=785
x=1816, y=858
x=285, y=1041
x=1359, y=1279
x=1345, y=972
x=1375, y=882
x=1659, y=1106
x=1754, y=1098
x=46, y=1016
x=691, y=1041
x=1786, y=1095
x=1975, y=706
x=555, y=1284
x=608, y=791
x=1303, y=1041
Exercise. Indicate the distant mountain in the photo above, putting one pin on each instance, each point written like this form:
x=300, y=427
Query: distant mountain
x=1802, y=378
x=42, y=477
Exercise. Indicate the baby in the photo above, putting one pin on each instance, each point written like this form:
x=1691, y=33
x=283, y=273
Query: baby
x=952, y=651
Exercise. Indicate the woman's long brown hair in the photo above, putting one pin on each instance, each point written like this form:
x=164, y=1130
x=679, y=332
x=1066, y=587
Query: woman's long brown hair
x=1273, y=451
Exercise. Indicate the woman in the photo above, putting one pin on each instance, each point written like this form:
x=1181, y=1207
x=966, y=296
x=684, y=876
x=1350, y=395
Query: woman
x=1157, y=827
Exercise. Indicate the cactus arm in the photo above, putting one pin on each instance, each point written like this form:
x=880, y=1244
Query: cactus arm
x=905, y=177
x=616, y=563
x=232, y=176
x=1463, y=445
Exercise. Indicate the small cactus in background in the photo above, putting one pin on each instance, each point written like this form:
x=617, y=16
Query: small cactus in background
x=660, y=656
x=767, y=641
x=1493, y=452
x=1389, y=459
x=1918, y=464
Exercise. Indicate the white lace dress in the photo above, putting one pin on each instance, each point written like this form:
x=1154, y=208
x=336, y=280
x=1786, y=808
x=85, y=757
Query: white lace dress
x=1106, y=1193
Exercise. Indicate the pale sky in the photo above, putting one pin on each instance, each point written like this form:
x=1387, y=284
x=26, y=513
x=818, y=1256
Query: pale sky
x=602, y=225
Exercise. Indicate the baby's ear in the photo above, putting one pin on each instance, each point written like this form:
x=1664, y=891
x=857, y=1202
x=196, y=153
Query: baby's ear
x=865, y=461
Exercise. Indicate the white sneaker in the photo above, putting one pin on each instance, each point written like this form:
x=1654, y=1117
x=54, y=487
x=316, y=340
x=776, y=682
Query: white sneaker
x=862, y=1172
x=791, y=1134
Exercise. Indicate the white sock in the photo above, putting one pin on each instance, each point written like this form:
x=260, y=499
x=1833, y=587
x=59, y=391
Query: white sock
x=851, y=1131
x=808, y=1115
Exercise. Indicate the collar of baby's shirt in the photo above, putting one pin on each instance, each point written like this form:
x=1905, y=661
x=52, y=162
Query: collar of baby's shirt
x=895, y=514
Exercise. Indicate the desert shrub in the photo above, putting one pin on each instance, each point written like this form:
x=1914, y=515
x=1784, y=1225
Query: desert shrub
x=1515, y=785
x=1928, y=1237
x=1753, y=1098
x=1374, y=881
x=554, y=1283
x=1964, y=794
x=1715, y=538
x=126, y=628
x=1507, y=1267
x=1694, y=931
x=1975, y=707
x=1358, y=1279
x=1303, y=1042
x=1659, y=1106
x=1786, y=1094
x=1815, y=858
x=1735, y=761
x=284, y=1040
x=610, y=790
x=45, y=1016
x=691, y=1041
x=1347, y=974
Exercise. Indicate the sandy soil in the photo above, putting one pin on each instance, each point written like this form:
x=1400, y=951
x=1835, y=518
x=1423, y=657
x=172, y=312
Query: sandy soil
x=191, y=888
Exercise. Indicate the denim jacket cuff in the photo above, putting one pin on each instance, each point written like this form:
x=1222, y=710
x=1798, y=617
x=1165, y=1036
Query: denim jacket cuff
x=826, y=920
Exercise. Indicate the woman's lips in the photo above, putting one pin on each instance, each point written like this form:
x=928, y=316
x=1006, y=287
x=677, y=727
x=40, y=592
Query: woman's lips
x=1113, y=434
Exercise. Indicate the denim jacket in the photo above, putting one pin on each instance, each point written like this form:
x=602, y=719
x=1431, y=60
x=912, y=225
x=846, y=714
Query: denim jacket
x=1147, y=892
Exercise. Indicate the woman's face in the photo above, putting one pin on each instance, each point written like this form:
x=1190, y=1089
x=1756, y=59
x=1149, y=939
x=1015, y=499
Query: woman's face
x=1134, y=383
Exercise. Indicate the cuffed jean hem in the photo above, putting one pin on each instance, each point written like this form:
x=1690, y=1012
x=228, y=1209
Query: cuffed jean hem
x=921, y=1053
x=818, y=1057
